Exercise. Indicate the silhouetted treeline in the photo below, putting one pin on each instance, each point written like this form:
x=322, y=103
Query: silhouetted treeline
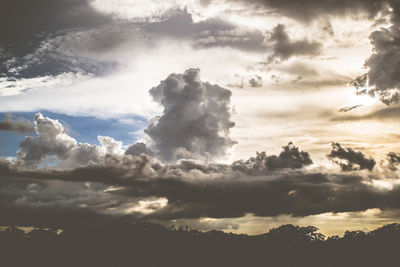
x=146, y=244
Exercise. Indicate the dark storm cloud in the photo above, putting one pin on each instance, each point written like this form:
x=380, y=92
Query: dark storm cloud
x=308, y=10
x=69, y=36
x=349, y=160
x=262, y=185
x=393, y=160
x=22, y=21
x=382, y=78
x=31, y=202
x=27, y=25
x=20, y=126
x=210, y=190
x=290, y=157
x=284, y=47
x=295, y=193
x=196, y=119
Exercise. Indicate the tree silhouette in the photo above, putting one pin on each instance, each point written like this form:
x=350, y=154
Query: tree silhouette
x=147, y=244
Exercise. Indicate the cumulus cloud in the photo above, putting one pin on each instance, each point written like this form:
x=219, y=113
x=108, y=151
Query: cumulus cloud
x=138, y=149
x=20, y=126
x=284, y=47
x=290, y=157
x=51, y=141
x=81, y=155
x=393, y=160
x=110, y=145
x=382, y=78
x=256, y=82
x=349, y=160
x=196, y=118
x=262, y=185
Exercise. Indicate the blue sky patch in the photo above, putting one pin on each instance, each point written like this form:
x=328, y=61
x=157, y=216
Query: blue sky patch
x=84, y=129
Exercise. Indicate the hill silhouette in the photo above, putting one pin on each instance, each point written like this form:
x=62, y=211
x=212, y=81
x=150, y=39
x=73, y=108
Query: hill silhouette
x=147, y=244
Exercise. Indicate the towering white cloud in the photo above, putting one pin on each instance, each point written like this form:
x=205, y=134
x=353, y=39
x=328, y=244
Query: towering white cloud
x=196, y=118
x=51, y=141
x=110, y=145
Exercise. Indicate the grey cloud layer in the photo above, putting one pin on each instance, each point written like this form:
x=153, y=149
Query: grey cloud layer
x=20, y=126
x=308, y=10
x=212, y=32
x=197, y=190
x=285, y=48
x=108, y=185
x=25, y=25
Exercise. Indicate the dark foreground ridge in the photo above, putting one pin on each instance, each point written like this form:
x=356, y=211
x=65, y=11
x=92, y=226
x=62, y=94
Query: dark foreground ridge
x=146, y=244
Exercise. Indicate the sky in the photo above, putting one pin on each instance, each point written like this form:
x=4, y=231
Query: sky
x=229, y=115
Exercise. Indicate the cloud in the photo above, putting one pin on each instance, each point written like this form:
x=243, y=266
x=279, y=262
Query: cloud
x=388, y=113
x=24, y=21
x=256, y=82
x=25, y=27
x=305, y=75
x=52, y=142
x=284, y=48
x=382, y=78
x=110, y=145
x=139, y=149
x=219, y=191
x=196, y=119
x=290, y=157
x=20, y=126
x=349, y=108
x=262, y=185
x=393, y=160
x=71, y=38
x=208, y=33
x=27, y=202
x=309, y=10
x=349, y=160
